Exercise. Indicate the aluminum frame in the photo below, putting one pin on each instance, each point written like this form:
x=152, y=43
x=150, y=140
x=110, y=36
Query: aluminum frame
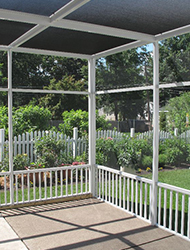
x=43, y=23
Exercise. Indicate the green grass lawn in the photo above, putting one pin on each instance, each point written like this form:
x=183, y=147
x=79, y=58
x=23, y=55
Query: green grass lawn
x=178, y=177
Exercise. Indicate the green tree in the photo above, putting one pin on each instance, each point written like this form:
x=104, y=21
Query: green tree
x=37, y=71
x=62, y=102
x=116, y=71
x=178, y=107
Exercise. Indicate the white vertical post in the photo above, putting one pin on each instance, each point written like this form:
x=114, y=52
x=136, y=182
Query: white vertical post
x=153, y=217
x=175, y=131
x=2, y=140
x=132, y=132
x=10, y=124
x=92, y=122
x=75, y=138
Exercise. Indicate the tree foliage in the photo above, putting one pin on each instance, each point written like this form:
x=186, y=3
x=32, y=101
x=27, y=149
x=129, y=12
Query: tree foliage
x=79, y=119
x=121, y=70
x=62, y=102
x=25, y=119
x=178, y=108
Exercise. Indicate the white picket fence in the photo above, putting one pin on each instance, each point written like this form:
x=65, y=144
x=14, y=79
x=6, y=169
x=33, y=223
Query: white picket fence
x=149, y=134
x=24, y=144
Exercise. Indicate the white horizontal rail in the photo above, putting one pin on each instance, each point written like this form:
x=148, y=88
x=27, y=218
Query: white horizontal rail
x=125, y=174
x=50, y=91
x=174, y=188
x=141, y=88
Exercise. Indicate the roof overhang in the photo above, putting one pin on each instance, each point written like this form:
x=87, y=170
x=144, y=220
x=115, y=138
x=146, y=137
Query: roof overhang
x=89, y=28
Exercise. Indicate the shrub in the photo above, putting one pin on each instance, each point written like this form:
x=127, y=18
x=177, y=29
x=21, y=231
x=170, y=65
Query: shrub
x=25, y=119
x=176, y=151
x=79, y=119
x=147, y=161
x=51, y=152
x=106, y=152
x=30, y=118
x=129, y=154
x=162, y=160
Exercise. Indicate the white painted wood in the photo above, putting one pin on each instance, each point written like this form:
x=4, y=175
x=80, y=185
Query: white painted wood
x=109, y=186
x=92, y=121
x=165, y=207
x=77, y=181
x=28, y=186
x=10, y=124
x=145, y=201
x=128, y=193
x=57, y=183
x=106, y=185
x=141, y=187
x=113, y=187
x=182, y=214
x=136, y=197
x=81, y=181
x=170, y=213
x=132, y=196
x=120, y=190
x=159, y=206
x=155, y=133
x=102, y=189
x=124, y=192
x=40, y=186
x=2, y=140
x=22, y=181
x=51, y=183
x=176, y=213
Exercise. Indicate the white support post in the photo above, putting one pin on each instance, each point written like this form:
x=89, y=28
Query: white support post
x=2, y=140
x=155, y=133
x=75, y=138
x=92, y=123
x=10, y=124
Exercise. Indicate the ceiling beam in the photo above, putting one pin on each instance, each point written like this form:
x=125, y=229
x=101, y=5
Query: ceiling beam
x=67, y=9
x=119, y=49
x=23, y=17
x=45, y=52
x=103, y=30
x=62, y=12
x=73, y=25
x=172, y=33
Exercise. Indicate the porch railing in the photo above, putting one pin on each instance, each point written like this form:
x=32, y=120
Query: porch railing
x=132, y=193
x=44, y=184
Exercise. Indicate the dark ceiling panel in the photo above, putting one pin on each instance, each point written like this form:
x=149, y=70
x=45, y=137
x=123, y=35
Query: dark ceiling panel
x=147, y=16
x=10, y=31
x=40, y=7
x=73, y=41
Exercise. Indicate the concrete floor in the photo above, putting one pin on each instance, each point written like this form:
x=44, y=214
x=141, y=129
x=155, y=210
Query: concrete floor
x=84, y=224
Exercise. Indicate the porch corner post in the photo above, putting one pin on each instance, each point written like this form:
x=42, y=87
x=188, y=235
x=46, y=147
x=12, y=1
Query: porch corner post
x=153, y=215
x=10, y=124
x=92, y=123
